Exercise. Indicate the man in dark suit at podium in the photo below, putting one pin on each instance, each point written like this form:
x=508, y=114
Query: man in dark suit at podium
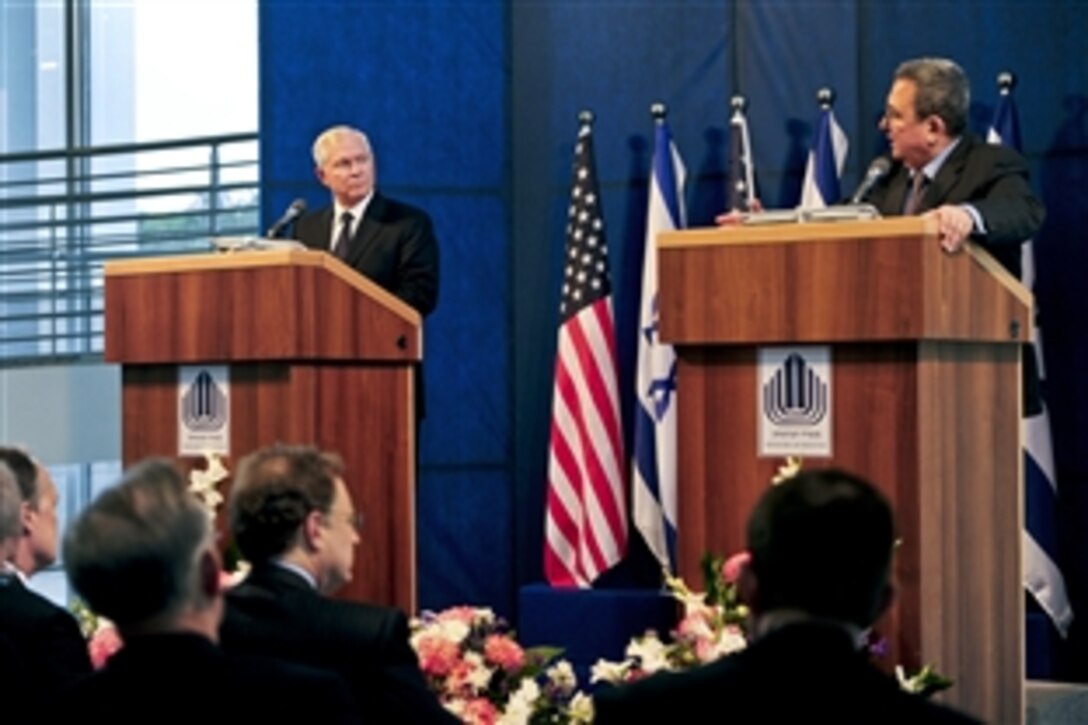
x=973, y=189
x=389, y=242
x=46, y=636
x=821, y=552
x=293, y=519
x=144, y=555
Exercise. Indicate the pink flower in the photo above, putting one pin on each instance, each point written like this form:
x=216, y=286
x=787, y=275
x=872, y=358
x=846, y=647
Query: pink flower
x=480, y=712
x=504, y=652
x=437, y=656
x=734, y=565
x=102, y=645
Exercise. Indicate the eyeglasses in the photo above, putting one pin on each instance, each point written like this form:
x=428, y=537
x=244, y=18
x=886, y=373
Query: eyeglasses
x=354, y=518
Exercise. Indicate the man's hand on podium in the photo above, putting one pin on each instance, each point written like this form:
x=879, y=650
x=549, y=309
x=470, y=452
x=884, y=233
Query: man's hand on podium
x=954, y=226
x=732, y=218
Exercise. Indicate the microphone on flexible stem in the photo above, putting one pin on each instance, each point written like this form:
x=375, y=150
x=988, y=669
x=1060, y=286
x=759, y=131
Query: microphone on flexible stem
x=298, y=206
x=876, y=172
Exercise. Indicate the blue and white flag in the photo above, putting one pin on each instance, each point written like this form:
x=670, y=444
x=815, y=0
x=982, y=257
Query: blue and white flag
x=1042, y=577
x=825, y=162
x=654, y=459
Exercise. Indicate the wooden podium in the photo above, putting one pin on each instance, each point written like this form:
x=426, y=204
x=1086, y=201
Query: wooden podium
x=925, y=395
x=316, y=354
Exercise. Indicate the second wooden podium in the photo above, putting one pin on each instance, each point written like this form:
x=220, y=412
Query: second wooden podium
x=316, y=354
x=925, y=393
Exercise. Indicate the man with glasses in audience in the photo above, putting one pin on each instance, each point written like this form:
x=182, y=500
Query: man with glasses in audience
x=293, y=519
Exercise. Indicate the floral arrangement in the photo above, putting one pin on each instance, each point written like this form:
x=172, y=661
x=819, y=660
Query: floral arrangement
x=482, y=675
x=713, y=625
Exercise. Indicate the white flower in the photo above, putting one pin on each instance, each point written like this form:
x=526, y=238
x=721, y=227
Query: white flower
x=730, y=641
x=605, y=671
x=454, y=630
x=788, y=470
x=479, y=675
x=650, y=651
x=521, y=704
x=581, y=708
x=910, y=684
x=562, y=676
x=204, y=484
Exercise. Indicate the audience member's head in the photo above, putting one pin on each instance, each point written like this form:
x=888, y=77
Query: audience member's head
x=11, y=508
x=143, y=554
x=290, y=503
x=821, y=543
x=37, y=546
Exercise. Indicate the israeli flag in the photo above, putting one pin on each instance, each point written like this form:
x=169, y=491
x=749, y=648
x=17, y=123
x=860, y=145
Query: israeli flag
x=826, y=159
x=654, y=464
x=1042, y=577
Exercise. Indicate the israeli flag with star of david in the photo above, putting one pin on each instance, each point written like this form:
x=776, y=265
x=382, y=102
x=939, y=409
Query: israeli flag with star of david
x=654, y=464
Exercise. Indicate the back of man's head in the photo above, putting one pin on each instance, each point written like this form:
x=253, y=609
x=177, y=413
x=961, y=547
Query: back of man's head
x=821, y=542
x=274, y=490
x=11, y=505
x=137, y=554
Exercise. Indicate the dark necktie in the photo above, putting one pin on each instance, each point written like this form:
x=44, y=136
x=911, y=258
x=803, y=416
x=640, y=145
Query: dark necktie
x=341, y=248
x=917, y=191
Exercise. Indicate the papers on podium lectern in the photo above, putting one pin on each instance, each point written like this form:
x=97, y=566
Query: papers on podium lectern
x=249, y=244
x=840, y=213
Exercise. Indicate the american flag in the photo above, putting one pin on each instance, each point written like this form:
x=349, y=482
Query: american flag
x=586, y=520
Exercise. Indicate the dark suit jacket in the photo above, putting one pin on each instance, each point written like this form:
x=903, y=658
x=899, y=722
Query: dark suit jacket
x=804, y=672
x=45, y=636
x=394, y=245
x=185, y=679
x=275, y=612
x=993, y=179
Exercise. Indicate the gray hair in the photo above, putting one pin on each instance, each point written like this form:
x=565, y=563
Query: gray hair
x=943, y=90
x=133, y=553
x=11, y=506
x=329, y=135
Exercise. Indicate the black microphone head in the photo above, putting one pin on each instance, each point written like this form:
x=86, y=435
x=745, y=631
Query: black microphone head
x=297, y=206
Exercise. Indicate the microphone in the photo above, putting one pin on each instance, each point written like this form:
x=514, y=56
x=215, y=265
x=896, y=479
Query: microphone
x=298, y=206
x=876, y=172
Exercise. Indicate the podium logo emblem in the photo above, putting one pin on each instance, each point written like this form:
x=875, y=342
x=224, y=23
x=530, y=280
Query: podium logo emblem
x=795, y=394
x=203, y=405
x=203, y=410
x=794, y=401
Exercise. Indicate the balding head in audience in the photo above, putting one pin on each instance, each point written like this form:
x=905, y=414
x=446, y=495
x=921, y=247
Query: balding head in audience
x=143, y=554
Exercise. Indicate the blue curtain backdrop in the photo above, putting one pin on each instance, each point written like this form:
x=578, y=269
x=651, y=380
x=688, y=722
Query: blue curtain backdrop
x=472, y=111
